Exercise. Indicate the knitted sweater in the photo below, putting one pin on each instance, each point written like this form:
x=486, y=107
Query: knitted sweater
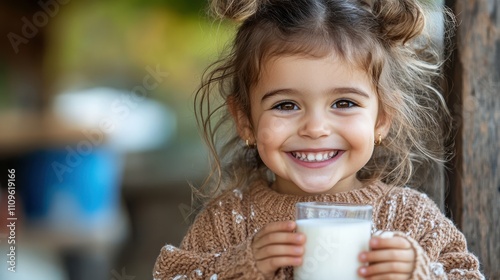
x=217, y=245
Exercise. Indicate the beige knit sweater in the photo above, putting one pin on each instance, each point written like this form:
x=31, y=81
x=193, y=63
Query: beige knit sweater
x=217, y=246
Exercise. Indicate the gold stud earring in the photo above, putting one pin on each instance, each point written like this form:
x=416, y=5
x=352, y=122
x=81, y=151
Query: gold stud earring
x=247, y=142
x=378, y=142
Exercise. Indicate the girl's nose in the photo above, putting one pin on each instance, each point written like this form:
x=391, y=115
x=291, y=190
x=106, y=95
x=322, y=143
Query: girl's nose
x=315, y=125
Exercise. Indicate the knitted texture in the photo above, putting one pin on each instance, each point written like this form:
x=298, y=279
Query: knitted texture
x=217, y=245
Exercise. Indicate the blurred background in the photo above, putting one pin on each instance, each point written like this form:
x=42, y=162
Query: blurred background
x=96, y=122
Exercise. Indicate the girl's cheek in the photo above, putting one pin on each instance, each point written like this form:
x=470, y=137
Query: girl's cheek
x=268, y=130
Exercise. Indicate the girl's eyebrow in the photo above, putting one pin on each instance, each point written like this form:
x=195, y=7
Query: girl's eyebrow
x=341, y=90
x=354, y=90
x=276, y=92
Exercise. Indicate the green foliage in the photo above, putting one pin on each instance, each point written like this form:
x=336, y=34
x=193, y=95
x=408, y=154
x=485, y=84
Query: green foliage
x=110, y=43
x=189, y=7
x=183, y=6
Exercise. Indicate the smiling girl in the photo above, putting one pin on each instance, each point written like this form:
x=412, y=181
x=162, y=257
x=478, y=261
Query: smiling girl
x=329, y=100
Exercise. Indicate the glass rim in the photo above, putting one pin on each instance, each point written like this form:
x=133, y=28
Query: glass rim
x=333, y=205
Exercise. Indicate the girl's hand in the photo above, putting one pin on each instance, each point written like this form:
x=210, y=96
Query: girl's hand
x=276, y=245
x=389, y=258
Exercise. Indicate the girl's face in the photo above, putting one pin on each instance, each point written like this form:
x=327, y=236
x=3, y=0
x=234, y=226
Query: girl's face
x=314, y=121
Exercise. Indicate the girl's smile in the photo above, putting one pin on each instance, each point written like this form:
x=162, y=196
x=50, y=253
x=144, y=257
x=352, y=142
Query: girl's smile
x=314, y=121
x=315, y=159
x=315, y=156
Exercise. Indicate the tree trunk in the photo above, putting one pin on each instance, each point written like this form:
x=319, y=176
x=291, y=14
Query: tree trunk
x=474, y=98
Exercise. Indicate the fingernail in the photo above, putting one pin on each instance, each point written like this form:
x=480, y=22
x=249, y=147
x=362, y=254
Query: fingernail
x=362, y=271
x=362, y=257
x=299, y=237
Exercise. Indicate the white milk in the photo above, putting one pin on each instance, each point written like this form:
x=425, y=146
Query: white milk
x=332, y=248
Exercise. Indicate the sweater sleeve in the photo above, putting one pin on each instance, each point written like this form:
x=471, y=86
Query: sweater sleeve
x=215, y=247
x=441, y=249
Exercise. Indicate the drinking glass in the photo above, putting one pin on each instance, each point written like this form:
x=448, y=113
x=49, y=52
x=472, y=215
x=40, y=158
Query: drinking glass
x=336, y=234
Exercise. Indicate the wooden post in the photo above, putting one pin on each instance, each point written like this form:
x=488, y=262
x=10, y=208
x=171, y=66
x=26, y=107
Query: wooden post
x=474, y=97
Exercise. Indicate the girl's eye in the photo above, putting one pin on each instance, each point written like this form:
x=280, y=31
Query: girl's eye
x=286, y=106
x=342, y=104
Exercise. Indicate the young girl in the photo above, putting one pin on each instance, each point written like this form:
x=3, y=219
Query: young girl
x=331, y=100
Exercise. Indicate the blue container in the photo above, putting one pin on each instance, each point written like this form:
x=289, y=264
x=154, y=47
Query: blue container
x=75, y=187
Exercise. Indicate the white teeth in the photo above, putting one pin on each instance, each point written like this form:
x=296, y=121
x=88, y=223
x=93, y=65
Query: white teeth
x=314, y=157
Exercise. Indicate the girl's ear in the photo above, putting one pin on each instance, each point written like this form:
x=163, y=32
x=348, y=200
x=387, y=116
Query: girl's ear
x=243, y=124
x=383, y=125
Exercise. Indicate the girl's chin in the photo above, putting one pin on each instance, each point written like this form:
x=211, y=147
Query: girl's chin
x=315, y=189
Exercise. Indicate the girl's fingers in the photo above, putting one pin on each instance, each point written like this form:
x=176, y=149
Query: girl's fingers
x=278, y=250
x=389, y=243
x=287, y=226
x=278, y=238
x=276, y=245
x=268, y=237
x=387, y=268
x=390, y=258
x=405, y=255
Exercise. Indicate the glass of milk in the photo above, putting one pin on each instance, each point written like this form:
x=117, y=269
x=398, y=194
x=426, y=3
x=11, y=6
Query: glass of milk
x=336, y=234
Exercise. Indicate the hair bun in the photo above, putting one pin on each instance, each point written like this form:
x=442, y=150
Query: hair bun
x=400, y=20
x=237, y=10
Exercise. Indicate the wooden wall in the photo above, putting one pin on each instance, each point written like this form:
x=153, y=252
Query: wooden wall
x=474, y=74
